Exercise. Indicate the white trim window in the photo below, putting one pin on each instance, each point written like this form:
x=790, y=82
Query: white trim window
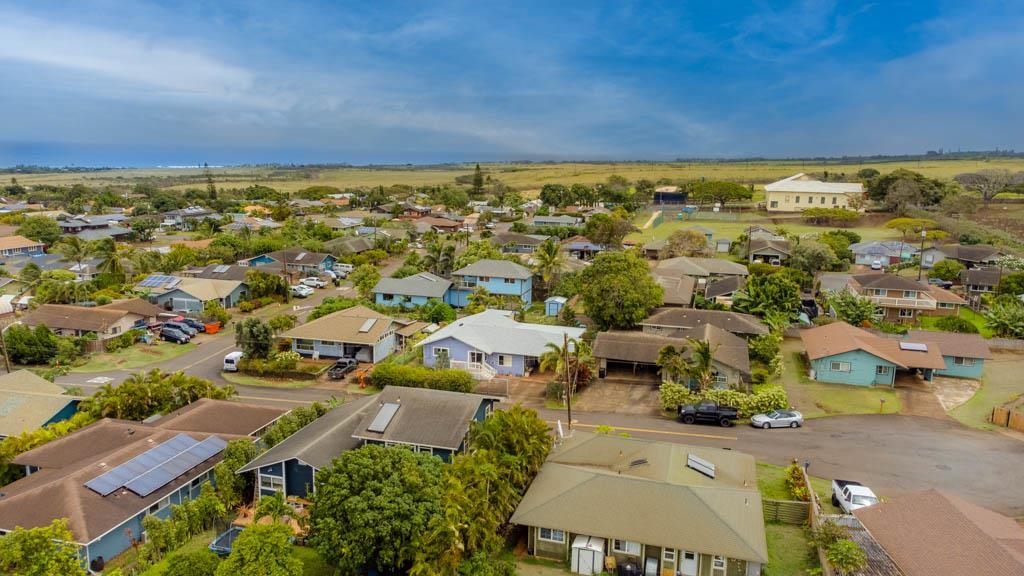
x=881, y=370
x=269, y=482
x=718, y=565
x=668, y=555
x=626, y=547
x=906, y=312
x=159, y=505
x=960, y=361
x=304, y=345
x=438, y=350
x=838, y=366
x=910, y=293
x=551, y=535
x=505, y=360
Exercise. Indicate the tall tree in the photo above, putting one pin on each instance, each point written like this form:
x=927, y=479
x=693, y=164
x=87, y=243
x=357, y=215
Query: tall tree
x=44, y=551
x=990, y=182
x=41, y=229
x=74, y=249
x=607, y=230
x=765, y=294
x=684, y=243
x=478, y=181
x=718, y=192
x=112, y=260
x=364, y=278
x=852, y=308
x=812, y=257
x=618, y=290
x=548, y=260
x=254, y=337
x=262, y=550
x=372, y=507
x=672, y=363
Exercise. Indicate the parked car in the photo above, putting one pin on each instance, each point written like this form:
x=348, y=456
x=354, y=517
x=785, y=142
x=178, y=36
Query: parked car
x=182, y=327
x=231, y=361
x=342, y=267
x=707, y=411
x=940, y=283
x=313, y=282
x=195, y=324
x=876, y=264
x=778, y=419
x=343, y=366
x=849, y=495
x=174, y=335
x=301, y=291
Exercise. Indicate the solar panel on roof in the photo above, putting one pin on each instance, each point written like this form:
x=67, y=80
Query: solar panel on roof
x=300, y=256
x=914, y=346
x=221, y=269
x=367, y=325
x=383, y=418
x=116, y=477
x=163, y=473
x=700, y=465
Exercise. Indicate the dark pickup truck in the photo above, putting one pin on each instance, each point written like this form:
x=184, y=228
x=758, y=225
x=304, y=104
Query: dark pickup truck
x=707, y=411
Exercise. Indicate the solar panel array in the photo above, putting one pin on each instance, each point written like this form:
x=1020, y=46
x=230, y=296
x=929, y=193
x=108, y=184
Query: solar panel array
x=158, y=466
x=222, y=268
x=383, y=418
x=155, y=281
x=110, y=481
x=159, y=476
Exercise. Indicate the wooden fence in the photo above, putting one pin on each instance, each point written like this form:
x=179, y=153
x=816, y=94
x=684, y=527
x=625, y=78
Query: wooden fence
x=1007, y=417
x=786, y=511
x=814, y=510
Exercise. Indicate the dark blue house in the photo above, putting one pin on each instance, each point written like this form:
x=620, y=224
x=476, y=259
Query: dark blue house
x=433, y=421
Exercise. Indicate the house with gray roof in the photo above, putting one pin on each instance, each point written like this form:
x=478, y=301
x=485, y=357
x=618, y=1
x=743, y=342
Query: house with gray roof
x=674, y=321
x=491, y=343
x=888, y=252
x=564, y=221
x=660, y=507
x=356, y=332
x=424, y=420
x=497, y=277
x=28, y=402
x=411, y=291
x=970, y=255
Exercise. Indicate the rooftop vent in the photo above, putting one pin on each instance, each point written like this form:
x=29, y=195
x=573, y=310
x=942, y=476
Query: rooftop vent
x=638, y=462
x=700, y=465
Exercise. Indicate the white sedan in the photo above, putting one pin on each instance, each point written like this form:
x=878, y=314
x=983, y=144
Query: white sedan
x=313, y=282
x=301, y=290
x=778, y=419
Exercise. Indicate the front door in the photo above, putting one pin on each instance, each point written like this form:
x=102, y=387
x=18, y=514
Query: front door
x=651, y=567
x=476, y=357
x=688, y=564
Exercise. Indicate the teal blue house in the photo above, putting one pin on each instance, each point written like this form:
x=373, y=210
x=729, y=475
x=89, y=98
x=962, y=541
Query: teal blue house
x=839, y=353
x=964, y=355
x=497, y=277
x=411, y=291
x=418, y=419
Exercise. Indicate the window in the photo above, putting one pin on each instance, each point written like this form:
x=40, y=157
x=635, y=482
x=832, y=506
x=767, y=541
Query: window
x=910, y=293
x=510, y=280
x=881, y=370
x=115, y=329
x=387, y=297
x=879, y=291
x=439, y=350
x=504, y=360
x=158, y=506
x=304, y=345
x=668, y=555
x=796, y=200
x=837, y=366
x=275, y=483
x=626, y=547
x=958, y=361
x=551, y=535
x=947, y=305
x=773, y=204
x=720, y=378
x=718, y=564
x=485, y=278
x=823, y=199
x=834, y=199
x=906, y=313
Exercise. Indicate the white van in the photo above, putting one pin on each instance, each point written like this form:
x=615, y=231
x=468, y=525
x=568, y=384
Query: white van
x=231, y=361
x=342, y=267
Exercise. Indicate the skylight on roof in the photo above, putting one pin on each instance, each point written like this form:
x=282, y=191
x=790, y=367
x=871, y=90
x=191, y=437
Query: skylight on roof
x=384, y=417
x=367, y=325
x=700, y=465
x=914, y=346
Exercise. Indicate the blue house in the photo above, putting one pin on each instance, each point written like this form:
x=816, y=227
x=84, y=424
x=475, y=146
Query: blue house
x=963, y=354
x=492, y=343
x=19, y=246
x=28, y=402
x=106, y=477
x=411, y=291
x=356, y=332
x=420, y=419
x=190, y=295
x=498, y=277
x=842, y=354
x=296, y=260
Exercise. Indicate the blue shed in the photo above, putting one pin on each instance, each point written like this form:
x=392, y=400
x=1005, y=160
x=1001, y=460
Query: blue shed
x=554, y=304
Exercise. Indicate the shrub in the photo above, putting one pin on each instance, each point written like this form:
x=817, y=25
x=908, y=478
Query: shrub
x=955, y=324
x=214, y=312
x=554, y=391
x=246, y=306
x=103, y=300
x=421, y=377
x=795, y=483
x=828, y=532
x=846, y=556
x=755, y=268
x=890, y=327
x=194, y=563
x=123, y=341
x=764, y=399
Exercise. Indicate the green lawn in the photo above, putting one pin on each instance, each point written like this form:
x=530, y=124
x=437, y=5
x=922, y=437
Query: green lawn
x=137, y=356
x=771, y=482
x=815, y=399
x=264, y=382
x=929, y=322
x=788, y=551
x=312, y=564
x=733, y=229
x=1000, y=383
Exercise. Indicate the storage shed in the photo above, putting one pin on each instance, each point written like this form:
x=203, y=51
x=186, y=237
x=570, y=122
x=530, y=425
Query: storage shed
x=587, y=555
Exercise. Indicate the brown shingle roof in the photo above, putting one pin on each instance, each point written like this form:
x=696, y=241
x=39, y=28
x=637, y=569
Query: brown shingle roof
x=942, y=295
x=61, y=316
x=676, y=291
x=980, y=276
x=840, y=337
x=766, y=244
x=724, y=286
x=135, y=306
x=970, y=252
x=931, y=532
x=12, y=242
x=685, y=318
x=953, y=343
x=344, y=326
x=219, y=417
x=888, y=282
x=628, y=346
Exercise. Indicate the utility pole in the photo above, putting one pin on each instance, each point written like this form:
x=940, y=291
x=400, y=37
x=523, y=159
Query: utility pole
x=920, y=259
x=568, y=384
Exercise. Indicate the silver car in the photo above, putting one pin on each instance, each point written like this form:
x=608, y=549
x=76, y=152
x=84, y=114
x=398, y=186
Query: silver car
x=778, y=419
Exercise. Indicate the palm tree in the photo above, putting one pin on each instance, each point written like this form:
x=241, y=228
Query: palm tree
x=111, y=260
x=672, y=363
x=700, y=366
x=439, y=258
x=574, y=361
x=73, y=249
x=547, y=262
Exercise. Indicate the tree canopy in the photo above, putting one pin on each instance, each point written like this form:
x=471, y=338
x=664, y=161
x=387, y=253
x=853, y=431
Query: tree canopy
x=254, y=337
x=947, y=269
x=607, y=230
x=41, y=229
x=852, y=308
x=618, y=290
x=44, y=551
x=720, y=192
x=767, y=294
x=811, y=257
x=373, y=505
x=991, y=182
x=262, y=550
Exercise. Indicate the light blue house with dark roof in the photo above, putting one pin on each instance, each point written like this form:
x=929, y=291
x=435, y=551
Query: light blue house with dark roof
x=498, y=277
x=492, y=343
x=411, y=291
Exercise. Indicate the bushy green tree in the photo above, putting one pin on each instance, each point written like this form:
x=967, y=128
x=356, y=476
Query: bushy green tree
x=720, y=192
x=262, y=284
x=254, y=337
x=364, y=278
x=852, y=308
x=192, y=563
x=811, y=257
x=1006, y=318
x=1010, y=284
x=618, y=291
x=437, y=311
x=154, y=392
x=44, y=551
x=41, y=229
x=947, y=269
x=846, y=556
x=232, y=487
x=330, y=305
x=373, y=505
x=607, y=230
x=763, y=295
x=262, y=550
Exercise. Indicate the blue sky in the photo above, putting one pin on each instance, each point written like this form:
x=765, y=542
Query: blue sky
x=137, y=84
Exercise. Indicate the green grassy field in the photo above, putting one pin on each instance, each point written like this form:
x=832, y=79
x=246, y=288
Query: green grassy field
x=815, y=399
x=519, y=176
x=929, y=322
x=1000, y=383
x=136, y=356
x=789, y=552
x=771, y=482
x=868, y=229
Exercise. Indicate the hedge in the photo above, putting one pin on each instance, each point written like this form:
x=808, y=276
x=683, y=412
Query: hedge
x=421, y=377
x=766, y=398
